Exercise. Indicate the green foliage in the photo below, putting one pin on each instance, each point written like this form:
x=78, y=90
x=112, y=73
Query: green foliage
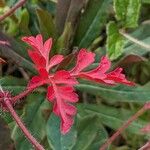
x=115, y=41
x=93, y=24
x=91, y=133
x=12, y=84
x=33, y=119
x=46, y=25
x=139, y=94
x=86, y=134
x=113, y=117
x=24, y=22
x=56, y=140
x=127, y=12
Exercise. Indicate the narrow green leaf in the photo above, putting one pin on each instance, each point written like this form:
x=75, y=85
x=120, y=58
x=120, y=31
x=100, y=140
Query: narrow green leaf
x=142, y=34
x=12, y=84
x=127, y=11
x=46, y=24
x=115, y=41
x=113, y=117
x=91, y=134
x=92, y=22
x=121, y=93
x=56, y=140
x=137, y=50
x=24, y=22
x=15, y=52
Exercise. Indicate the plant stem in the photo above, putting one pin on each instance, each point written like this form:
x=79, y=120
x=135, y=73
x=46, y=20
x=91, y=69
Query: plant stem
x=146, y=146
x=21, y=95
x=26, y=92
x=134, y=40
x=12, y=10
x=123, y=127
x=21, y=125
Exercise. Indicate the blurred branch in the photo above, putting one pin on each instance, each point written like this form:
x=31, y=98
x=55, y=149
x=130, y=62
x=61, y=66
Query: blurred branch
x=146, y=146
x=28, y=135
x=61, y=14
x=12, y=10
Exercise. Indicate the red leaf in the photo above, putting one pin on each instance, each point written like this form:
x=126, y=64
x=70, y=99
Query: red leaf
x=62, y=107
x=50, y=94
x=118, y=77
x=97, y=74
x=68, y=94
x=84, y=59
x=55, y=60
x=31, y=41
x=43, y=73
x=33, y=81
x=37, y=44
x=38, y=60
x=100, y=74
x=64, y=77
x=47, y=48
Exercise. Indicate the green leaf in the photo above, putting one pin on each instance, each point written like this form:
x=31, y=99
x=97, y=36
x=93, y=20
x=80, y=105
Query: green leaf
x=15, y=52
x=115, y=41
x=91, y=134
x=12, y=84
x=137, y=50
x=127, y=11
x=121, y=93
x=24, y=22
x=33, y=120
x=56, y=140
x=64, y=40
x=113, y=117
x=46, y=24
x=92, y=22
x=146, y=1
x=141, y=33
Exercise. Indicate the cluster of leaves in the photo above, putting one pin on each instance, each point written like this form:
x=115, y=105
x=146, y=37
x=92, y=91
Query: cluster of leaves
x=78, y=23
x=61, y=83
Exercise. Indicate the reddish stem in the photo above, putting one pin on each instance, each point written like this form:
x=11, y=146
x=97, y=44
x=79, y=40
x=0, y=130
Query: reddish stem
x=123, y=127
x=146, y=146
x=21, y=125
x=25, y=93
x=21, y=95
x=12, y=10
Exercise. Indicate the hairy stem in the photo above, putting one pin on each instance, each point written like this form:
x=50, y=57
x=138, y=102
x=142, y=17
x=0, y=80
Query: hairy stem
x=123, y=127
x=21, y=125
x=12, y=10
x=26, y=92
x=146, y=146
